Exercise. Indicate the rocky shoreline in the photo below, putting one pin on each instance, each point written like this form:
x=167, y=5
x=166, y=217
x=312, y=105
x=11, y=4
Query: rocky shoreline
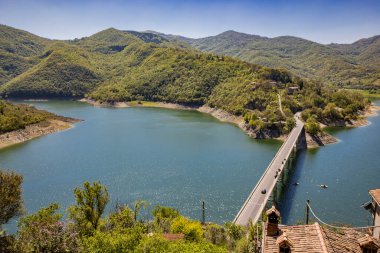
x=35, y=130
x=224, y=116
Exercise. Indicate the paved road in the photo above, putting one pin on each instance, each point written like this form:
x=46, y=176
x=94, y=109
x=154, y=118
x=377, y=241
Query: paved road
x=256, y=201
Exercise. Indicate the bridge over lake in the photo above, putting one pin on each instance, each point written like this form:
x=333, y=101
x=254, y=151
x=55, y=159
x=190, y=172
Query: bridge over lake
x=266, y=186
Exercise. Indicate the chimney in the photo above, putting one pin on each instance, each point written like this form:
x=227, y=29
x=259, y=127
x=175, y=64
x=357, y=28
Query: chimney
x=273, y=220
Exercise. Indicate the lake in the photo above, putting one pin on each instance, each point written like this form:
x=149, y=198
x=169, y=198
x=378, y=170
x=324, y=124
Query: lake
x=180, y=158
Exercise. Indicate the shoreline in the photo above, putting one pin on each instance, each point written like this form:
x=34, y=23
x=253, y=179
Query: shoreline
x=36, y=130
x=62, y=123
x=312, y=141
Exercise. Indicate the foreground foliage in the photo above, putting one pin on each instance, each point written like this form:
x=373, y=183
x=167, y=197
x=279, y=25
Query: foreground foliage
x=11, y=204
x=87, y=230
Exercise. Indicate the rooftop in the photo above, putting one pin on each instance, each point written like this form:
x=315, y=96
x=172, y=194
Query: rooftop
x=375, y=195
x=316, y=238
x=302, y=238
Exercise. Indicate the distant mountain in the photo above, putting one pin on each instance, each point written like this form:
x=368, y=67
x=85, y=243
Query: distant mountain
x=350, y=64
x=365, y=51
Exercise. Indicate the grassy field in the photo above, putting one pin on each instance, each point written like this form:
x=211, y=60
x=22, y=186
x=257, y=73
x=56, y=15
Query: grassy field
x=372, y=95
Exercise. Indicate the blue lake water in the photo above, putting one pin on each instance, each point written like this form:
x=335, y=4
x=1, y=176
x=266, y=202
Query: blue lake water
x=179, y=158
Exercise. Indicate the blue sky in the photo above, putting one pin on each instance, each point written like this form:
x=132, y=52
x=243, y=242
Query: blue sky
x=324, y=21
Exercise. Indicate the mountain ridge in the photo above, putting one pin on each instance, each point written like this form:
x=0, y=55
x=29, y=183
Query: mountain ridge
x=355, y=63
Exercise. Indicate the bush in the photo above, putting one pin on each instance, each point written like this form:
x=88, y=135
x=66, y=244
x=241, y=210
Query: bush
x=191, y=229
x=44, y=232
x=312, y=126
x=215, y=234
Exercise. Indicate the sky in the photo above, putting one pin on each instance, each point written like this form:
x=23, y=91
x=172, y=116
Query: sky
x=323, y=21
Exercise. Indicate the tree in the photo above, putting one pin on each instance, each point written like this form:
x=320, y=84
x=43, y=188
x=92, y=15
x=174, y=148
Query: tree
x=90, y=204
x=44, y=232
x=234, y=234
x=312, y=126
x=139, y=204
x=289, y=124
x=215, y=234
x=121, y=218
x=11, y=204
x=163, y=216
x=331, y=112
x=191, y=229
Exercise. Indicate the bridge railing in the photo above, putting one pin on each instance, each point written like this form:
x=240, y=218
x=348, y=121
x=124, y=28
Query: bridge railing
x=266, y=172
x=262, y=177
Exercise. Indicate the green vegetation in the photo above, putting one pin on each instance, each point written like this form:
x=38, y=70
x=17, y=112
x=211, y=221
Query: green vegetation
x=64, y=71
x=11, y=204
x=349, y=65
x=90, y=204
x=124, y=66
x=87, y=230
x=14, y=117
x=19, y=50
x=370, y=94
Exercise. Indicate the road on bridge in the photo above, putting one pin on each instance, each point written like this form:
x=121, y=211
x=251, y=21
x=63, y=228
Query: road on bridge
x=256, y=201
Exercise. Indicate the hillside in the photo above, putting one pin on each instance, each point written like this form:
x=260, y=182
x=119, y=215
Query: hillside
x=63, y=71
x=18, y=51
x=364, y=51
x=14, y=117
x=353, y=64
x=116, y=66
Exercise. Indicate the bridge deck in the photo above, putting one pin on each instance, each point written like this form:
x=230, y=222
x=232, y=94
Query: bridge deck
x=256, y=201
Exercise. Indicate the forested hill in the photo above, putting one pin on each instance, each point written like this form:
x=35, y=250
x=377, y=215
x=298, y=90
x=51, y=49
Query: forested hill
x=19, y=50
x=345, y=64
x=18, y=116
x=113, y=66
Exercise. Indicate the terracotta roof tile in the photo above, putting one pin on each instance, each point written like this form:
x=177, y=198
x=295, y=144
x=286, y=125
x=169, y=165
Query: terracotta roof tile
x=375, y=195
x=315, y=238
x=273, y=210
x=345, y=240
x=173, y=237
x=284, y=239
x=304, y=238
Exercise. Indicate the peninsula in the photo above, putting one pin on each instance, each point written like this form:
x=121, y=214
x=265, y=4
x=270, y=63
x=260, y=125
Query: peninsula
x=20, y=122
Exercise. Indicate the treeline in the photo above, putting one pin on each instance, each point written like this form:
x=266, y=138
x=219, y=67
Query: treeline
x=87, y=229
x=14, y=117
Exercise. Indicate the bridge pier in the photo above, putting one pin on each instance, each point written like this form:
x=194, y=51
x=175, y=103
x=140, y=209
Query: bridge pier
x=301, y=141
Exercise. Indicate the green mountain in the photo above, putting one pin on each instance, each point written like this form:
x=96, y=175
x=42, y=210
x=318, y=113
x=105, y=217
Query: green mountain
x=19, y=51
x=113, y=66
x=63, y=71
x=364, y=51
x=344, y=64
